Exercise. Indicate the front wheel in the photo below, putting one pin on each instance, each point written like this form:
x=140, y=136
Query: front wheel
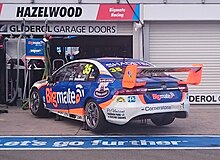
x=163, y=119
x=94, y=117
x=36, y=105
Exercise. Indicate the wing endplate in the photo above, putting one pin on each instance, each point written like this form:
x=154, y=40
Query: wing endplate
x=130, y=75
x=194, y=76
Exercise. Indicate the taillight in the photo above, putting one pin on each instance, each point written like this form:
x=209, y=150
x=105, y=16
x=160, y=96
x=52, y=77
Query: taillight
x=183, y=88
x=135, y=91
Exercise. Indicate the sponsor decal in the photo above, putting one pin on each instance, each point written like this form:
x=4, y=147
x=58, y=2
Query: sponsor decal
x=78, y=78
x=158, y=108
x=66, y=97
x=109, y=65
x=129, y=74
x=36, y=43
x=115, y=69
x=120, y=99
x=204, y=99
x=118, y=12
x=163, y=96
x=34, y=48
x=116, y=113
x=106, y=80
x=48, y=12
x=131, y=99
x=102, y=91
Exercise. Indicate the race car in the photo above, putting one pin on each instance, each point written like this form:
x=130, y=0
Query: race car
x=114, y=90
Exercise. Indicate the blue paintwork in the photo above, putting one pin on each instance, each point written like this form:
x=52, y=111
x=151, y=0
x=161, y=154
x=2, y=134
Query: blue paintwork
x=91, y=87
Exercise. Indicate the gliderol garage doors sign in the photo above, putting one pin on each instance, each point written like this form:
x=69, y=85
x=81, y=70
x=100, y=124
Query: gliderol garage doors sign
x=67, y=12
x=67, y=28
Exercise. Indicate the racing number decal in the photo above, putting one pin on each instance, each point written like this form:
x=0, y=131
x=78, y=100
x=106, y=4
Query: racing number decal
x=116, y=69
x=87, y=69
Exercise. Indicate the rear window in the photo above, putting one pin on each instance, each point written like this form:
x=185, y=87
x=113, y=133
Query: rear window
x=118, y=72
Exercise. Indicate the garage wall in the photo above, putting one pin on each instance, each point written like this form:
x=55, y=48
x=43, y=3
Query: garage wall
x=185, y=43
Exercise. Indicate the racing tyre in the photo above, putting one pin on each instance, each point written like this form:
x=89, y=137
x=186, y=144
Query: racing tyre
x=163, y=119
x=94, y=117
x=36, y=105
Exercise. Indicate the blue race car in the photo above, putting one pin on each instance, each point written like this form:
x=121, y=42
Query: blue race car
x=114, y=90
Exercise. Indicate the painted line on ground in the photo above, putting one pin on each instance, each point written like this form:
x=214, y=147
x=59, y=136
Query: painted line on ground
x=109, y=142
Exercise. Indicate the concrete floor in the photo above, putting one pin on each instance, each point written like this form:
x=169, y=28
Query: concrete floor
x=203, y=120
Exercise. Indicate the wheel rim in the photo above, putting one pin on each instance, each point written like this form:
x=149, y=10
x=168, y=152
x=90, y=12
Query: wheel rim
x=35, y=101
x=92, y=115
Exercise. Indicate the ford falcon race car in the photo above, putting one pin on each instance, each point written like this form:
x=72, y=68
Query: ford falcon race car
x=114, y=90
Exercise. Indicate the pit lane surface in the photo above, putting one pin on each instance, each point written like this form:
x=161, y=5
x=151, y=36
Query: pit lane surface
x=203, y=121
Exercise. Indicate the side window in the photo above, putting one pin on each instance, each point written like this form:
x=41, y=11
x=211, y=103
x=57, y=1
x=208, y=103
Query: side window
x=94, y=74
x=59, y=75
x=67, y=73
x=71, y=72
x=86, y=72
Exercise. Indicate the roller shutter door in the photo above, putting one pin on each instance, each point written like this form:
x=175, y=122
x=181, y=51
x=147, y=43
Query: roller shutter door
x=185, y=43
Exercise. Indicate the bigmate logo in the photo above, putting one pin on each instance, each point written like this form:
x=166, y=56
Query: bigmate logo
x=118, y=12
x=66, y=97
x=163, y=96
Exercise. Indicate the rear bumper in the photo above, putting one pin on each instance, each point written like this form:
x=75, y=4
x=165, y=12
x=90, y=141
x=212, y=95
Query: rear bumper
x=124, y=108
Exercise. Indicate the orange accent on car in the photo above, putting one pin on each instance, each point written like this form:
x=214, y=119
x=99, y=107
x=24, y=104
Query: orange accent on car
x=107, y=103
x=141, y=97
x=77, y=98
x=51, y=97
x=183, y=96
x=129, y=78
x=78, y=111
x=194, y=77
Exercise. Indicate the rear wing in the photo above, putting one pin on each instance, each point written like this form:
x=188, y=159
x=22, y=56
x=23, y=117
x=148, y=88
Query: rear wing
x=130, y=75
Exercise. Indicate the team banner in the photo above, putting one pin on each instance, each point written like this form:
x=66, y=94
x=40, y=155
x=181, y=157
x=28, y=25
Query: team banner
x=67, y=12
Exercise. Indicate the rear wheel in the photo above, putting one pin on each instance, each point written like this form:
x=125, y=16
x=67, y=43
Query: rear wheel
x=163, y=119
x=36, y=105
x=94, y=117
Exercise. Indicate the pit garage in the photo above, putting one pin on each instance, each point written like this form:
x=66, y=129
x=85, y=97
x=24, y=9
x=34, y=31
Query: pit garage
x=64, y=38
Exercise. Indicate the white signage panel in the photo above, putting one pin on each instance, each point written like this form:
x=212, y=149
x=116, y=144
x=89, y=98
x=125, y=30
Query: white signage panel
x=61, y=28
x=204, y=98
x=54, y=12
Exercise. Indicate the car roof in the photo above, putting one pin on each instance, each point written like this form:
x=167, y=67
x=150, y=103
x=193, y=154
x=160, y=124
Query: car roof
x=116, y=61
x=107, y=62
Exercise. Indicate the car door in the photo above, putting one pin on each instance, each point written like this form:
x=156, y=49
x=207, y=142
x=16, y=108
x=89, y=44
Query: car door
x=58, y=90
x=81, y=86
